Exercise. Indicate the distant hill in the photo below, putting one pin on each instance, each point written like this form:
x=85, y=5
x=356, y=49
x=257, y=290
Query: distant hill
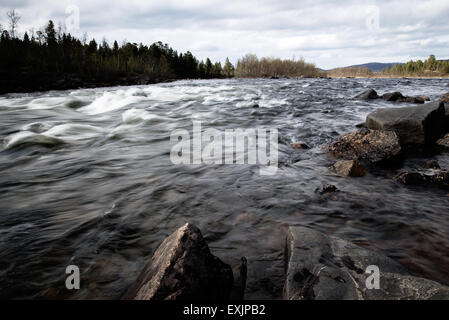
x=375, y=66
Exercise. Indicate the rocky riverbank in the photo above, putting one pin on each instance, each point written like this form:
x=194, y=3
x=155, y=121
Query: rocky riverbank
x=318, y=265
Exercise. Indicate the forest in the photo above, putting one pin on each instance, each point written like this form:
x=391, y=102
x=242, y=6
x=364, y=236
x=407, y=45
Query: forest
x=428, y=68
x=52, y=59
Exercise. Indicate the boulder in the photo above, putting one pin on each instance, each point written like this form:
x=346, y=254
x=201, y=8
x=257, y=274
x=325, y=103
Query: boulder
x=321, y=267
x=419, y=100
x=414, y=125
x=393, y=96
x=183, y=268
x=367, y=95
x=349, y=168
x=374, y=146
x=437, y=178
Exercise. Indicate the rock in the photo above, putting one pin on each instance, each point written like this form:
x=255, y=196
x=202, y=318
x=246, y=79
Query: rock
x=367, y=95
x=431, y=164
x=321, y=267
x=438, y=178
x=238, y=291
x=330, y=188
x=360, y=125
x=182, y=268
x=445, y=98
x=419, y=100
x=393, y=96
x=349, y=168
x=414, y=125
x=300, y=145
x=374, y=146
x=443, y=142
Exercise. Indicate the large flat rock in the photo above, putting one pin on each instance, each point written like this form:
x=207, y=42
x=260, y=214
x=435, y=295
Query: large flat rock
x=374, y=146
x=183, y=268
x=321, y=267
x=414, y=125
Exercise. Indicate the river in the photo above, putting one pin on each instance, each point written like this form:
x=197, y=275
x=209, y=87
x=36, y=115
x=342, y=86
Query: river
x=86, y=179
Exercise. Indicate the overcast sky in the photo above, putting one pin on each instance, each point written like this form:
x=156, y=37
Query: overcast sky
x=330, y=33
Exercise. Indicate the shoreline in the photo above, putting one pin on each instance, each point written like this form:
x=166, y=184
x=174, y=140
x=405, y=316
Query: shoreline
x=62, y=84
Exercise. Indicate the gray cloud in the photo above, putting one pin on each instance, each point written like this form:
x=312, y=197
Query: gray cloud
x=328, y=33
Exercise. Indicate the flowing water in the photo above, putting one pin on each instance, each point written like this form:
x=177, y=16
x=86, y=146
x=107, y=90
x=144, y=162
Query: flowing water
x=86, y=179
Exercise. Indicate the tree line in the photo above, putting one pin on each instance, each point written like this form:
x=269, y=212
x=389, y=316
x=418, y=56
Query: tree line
x=53, y=59
x=429, y=67
x=250, y=66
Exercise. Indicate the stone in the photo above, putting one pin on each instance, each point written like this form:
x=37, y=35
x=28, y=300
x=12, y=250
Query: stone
x=431, y=164
x=414, y=125
x=183, y=268
x=419, y=100
x=322, y=267
x=329, y=188
x=393, y=96
x=367, y=95
x=438, y=178
x=300, y=145
x=374, y=146
x=349, y=168
x=445, y=98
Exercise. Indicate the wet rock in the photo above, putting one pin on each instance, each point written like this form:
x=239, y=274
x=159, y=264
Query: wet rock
x=329, y=188
x=445, y=98
x=419, y=100
x=438, y=178
x=183, y=268
x=349, y=168
x=374, y=146
x=414, y=125
x=443, y=142
x=240, y=277
x=360, y=125
x=393, y=96
x=367, y=95
x=321, y=267
x=300, y=145
x=431, y=164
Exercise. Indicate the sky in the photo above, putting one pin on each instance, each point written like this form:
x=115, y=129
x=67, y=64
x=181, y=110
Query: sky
x=332, y=33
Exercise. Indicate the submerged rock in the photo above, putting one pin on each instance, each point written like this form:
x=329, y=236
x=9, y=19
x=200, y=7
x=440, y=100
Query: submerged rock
x=321, y=267
x=329, y=188
x=374, y=146
x=438, y=178
x=182, y=268
x=414, y=125
x=431, y=164
x=370, y=94
x=349, y=168
x=300, y=145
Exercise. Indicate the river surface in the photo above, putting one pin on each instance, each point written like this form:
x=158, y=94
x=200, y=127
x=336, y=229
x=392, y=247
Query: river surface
x=86, y=179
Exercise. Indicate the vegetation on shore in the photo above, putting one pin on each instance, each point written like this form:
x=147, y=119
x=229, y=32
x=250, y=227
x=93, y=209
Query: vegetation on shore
x=250, y=66
x=52, y=59
x=430, y=67
x=427, y=68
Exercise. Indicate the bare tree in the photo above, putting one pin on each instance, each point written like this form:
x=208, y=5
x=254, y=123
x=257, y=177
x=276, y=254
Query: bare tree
x=14, y=18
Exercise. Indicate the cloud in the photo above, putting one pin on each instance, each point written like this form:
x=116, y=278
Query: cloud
x=328, y=33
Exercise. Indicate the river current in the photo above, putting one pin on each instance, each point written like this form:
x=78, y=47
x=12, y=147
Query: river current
x=86, y=179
